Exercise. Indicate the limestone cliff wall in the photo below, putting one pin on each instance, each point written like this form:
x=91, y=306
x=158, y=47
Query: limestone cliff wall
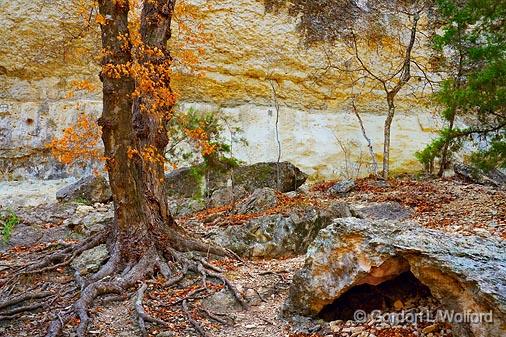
x=43, y=49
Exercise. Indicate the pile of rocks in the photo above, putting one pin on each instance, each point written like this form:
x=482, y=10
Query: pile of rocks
x=416, y=319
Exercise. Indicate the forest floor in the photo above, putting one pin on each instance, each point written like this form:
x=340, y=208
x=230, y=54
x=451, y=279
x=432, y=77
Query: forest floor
x=446, y=204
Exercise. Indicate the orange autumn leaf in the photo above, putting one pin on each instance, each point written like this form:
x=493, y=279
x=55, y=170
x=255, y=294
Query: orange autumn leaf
x=100, y=19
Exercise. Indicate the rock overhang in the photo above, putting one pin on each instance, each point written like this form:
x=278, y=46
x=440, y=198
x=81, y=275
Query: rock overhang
x=463, y=273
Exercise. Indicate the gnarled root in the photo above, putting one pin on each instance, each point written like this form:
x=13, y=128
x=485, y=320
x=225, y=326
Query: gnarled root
x=141, y=314
x=117, y=276
x=59, y=259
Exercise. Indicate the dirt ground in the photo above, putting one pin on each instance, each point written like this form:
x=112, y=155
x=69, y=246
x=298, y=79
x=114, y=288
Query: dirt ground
x=449, y=205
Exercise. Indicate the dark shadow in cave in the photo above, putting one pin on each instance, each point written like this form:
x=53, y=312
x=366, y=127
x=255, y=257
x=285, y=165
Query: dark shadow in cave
x=380, y=297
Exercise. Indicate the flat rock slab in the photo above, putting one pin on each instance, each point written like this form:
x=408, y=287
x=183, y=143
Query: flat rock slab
x=381, y=211
x=14, y=194
x=465, y=273
x=279, y=235
x=89, y=188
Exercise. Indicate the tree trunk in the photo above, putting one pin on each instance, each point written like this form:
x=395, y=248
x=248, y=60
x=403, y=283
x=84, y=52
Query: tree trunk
x=134, y=136
x=386, y=135
x=374, y=163
x=444, y=154
x=456, y=86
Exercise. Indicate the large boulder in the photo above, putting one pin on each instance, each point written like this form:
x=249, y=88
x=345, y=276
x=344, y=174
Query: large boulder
x=185, y=206
x=278, y=235
x=185, y=182
x=260, y=200
x=227, y=195
x=261, y=175
x=466, y=274
x=192, y=182
x=342, y=187
x=91, y=189
x=468, y=173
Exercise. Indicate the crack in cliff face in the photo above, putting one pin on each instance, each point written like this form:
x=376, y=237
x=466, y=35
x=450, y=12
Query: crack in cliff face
x=389, y=296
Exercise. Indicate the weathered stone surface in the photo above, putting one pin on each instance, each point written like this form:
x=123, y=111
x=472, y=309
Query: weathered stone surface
x=278, y=236
x=494, y=177
x=14, y=194
x=34, y=219
x=90, y=218
x=343, y=187
x=185, y=182
x=39, y=62
x=222, y=301
x=90, y=260
x=463, y=273
x=188, y=182
x=227, y=195
x=266, y=175
x=77, y=219
x=182, y=207
x=261, y=199
x=498, y=176
x=90, y=188
x=22, y=235
x=381, y=210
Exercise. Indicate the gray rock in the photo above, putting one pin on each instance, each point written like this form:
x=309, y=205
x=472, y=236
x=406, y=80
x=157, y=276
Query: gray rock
x=90, y=188
x=22, y=235
x=185, y=182
x=468, y=173
x=463, y=273
x=33, y=229
x=227, y=195
x=261, y=199
x=343, y=187
x=166, y=334
x=221, y=302
x=89, y=218
x=46, y=213
x=193, y=183
x=265, y=175
x=382, y=210
x=182, y=207
x=498, y=176
x=90, y=260
x=278, y=236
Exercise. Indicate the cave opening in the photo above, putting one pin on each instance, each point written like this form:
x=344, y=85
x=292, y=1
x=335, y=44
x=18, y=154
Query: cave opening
x=400, y=292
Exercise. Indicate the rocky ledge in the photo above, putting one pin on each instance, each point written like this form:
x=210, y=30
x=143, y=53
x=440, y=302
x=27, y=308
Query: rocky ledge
x=466, y=274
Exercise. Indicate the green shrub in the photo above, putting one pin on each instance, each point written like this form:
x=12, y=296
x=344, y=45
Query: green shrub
x=8, y=220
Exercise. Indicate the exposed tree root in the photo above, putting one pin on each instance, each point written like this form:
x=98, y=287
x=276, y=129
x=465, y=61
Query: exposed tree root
x=216, y=317
x=142, y=316
x=58, y=259
x=193, y=322
x=188, y=296
x=116, y=277
x=25, y=297
x=11, y=314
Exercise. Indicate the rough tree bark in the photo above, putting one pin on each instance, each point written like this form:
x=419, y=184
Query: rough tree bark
x=137, y=104
x=141, y=214
x=132, y=124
